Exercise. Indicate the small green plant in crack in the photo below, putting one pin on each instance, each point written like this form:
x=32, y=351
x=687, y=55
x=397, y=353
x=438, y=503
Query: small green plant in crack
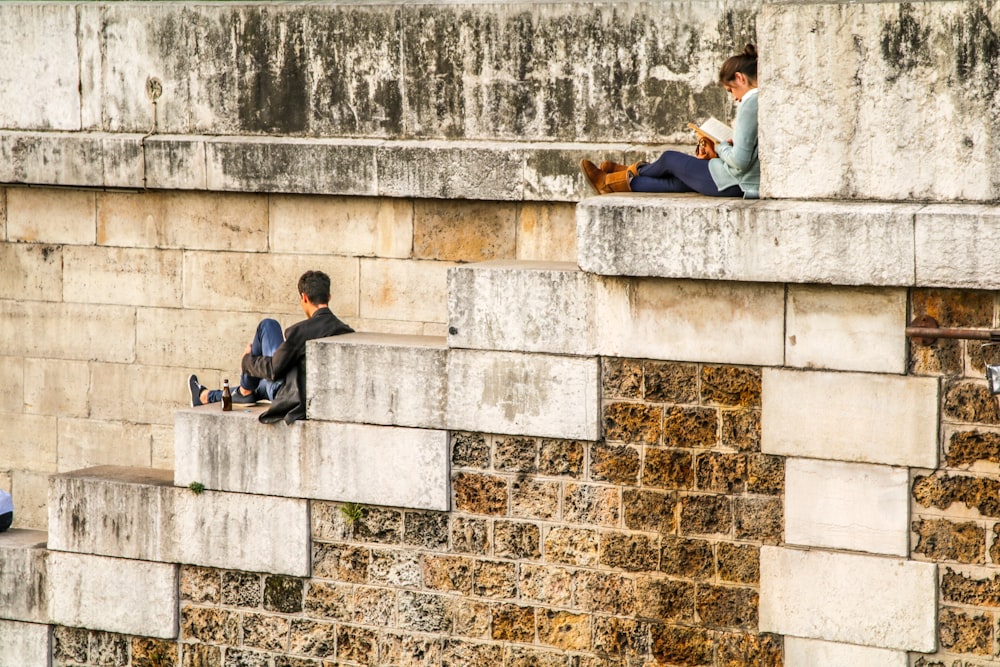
x=352, y=512
x=197, y=487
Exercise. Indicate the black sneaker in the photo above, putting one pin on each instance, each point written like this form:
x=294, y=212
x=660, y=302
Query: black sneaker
x=196, y=390
x=239, y=397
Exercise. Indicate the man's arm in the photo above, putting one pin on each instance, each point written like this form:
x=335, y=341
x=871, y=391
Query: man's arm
x=275, y=368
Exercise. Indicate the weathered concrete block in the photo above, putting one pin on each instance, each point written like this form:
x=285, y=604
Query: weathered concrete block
x=25, y=644
x=853, y=506
x=546, y=232
x=127, y=276
x=175, y=162
x=687, y=236
x=850, y=329
x=952, y=244
x=394, y=289
x=46, y=215
x=859, y=417
x=23, y=583
x=31, y=271
x=866, y=600
x=378, y=379
x=401, y=467
x=56, y=158
x=92, y=442
x=812, y=653
x=428, y=170
x=30, y=490
x=167, y=337
x=887, y=51
x=114, y=594
x=139, y=513
x=143, y=386
x=68, y=331
x=55, y=387
x=362, y=226
x=29, y=442
x=524, y=394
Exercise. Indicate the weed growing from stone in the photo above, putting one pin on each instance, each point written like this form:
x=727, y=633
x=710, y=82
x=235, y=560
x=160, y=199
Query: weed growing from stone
x=197, y=487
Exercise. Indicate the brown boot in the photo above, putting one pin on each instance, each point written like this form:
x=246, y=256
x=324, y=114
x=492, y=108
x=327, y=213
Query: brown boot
x=610, y=167
x=595, y=176
x=621, y=181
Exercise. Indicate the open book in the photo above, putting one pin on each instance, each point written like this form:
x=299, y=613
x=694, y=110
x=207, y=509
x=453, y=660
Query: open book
x=714, y=129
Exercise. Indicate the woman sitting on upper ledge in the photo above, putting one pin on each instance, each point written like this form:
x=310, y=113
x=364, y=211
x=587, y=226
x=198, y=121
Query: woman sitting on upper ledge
x=724, y=170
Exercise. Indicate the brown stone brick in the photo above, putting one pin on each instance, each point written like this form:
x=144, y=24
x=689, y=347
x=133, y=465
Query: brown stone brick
x=357, y=644
x=726, y=606
x=200, y=584
x=690, y=427
x=448, y=573
x=153, y=652
x=710, y=514
x=563, y=629
x=650, y=510
x=721, y=472
x=525, y=656
x=952, y=307
x=633, y=552
x=424, y=612
x=329, y=600
x=676, y=645
x=666, y=468
x=71, y=644
x=737, y=649
x=374, y=606
x=940, y=539
x=342, y=562
x=621, y=637
x=995, y=547
x=283, y=594
x=241, y=589
x=759, y=519
x=392, y=567
x=329, y=522
x=312, y=638
x=518, y=540
x=471, y=618
x=592, y=503
x=379, y=524
x=765, y=474
x=242, y=658
x=561, y=457
x=964, y=589
x=621, y=378
x=470, y=536
x=212, y=626
x=200, y=655
x=291, y=661
x=515, y=454
x=108, y=648
x=534, y=499
x=407, y=650
x=691, y=559
x=962, y=632
x=968, y=447
x=634, y=423
x=480, y=494
x=730, y=385
x=741, y=429
x=606, y=592
x=970, y=401
x=545, y=584
x=670, y=382
x=942, y=358
x=470, y=450
x=661, y=599
x=738, y=563
x=941, y=490
x=426, y=529
x=572, y=546
x=459, y=653
x=465, y=231
x=265, y=632
x=618, y=464
x=514, y=623
x=494, y=579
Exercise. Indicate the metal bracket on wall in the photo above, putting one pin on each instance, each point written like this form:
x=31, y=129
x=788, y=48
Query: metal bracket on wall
x=925, y=331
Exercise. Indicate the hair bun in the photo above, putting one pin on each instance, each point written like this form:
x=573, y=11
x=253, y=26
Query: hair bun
x=750, y=51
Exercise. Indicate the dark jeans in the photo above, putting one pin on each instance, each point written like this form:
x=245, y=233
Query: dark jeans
x=266, y=341
x=6, y=519
x=680, y=172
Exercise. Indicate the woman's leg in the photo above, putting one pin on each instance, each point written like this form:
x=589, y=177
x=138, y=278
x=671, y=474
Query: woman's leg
x=679, y=172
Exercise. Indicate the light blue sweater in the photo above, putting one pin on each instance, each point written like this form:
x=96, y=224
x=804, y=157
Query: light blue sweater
x=738, y=163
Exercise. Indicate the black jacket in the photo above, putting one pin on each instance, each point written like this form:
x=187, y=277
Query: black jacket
x=289, y=364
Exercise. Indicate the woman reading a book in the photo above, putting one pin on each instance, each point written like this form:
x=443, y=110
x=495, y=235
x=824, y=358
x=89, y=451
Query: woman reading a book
x=717, y=169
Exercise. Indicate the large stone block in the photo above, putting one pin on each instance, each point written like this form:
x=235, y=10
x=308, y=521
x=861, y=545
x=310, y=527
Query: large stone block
x=68, y=331
x=30, y=489
x=395, y=289
x=401, y=467
x=686, y=236
x=56, y=158
x=868, y=105
x=175, y=162
x=92, y=442
x=23, y=583
x=952, y=246
x=46, y=215
x=175, y=337
x=57, y=387
x=850, y=329
x=25, y=644
x=546, y=232
x=859, y=417
x=12, y=378
x=853, y=506
x=31, y=271
x=126, y=276
x=867, y=600
x=464, y=231
x=139, y=513
x=113, y=594
x=813, y=653
x=428, y=169
x=379, y=379
x=136, y=393
x=29, y=442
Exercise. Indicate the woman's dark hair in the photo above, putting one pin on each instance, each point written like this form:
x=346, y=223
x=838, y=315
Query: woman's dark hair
x=744, y=63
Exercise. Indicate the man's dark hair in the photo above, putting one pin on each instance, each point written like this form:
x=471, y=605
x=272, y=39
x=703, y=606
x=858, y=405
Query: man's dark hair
x=316, y=286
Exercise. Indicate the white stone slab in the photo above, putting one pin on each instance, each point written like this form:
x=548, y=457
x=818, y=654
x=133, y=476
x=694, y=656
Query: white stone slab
x=114, y=594
x=855, y=506
x=524, y=394
x=953, y=244
x=814, y=653
x=860, y=417
x=369, y=378
x=400, y=467
x=867, y=600
x=849, y=329
x=138, y=513
x=23, y=584
x=24, y=644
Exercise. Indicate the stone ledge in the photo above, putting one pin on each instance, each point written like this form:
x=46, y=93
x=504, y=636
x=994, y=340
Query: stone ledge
x=25, y=644
x=23, y=577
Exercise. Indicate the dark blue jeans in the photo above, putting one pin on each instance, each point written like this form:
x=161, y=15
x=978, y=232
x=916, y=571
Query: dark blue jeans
x=6, y=519
x=680, y=172
x=266, y=341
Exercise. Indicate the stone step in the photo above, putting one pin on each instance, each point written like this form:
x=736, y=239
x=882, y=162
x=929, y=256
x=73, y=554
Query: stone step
x=418, y=382
x=138, y=513
x=22, y=576
x=379, y=465
x=790, y=241
x=25, y=644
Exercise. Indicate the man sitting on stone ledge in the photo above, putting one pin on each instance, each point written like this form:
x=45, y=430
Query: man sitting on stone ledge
x=274, y=365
